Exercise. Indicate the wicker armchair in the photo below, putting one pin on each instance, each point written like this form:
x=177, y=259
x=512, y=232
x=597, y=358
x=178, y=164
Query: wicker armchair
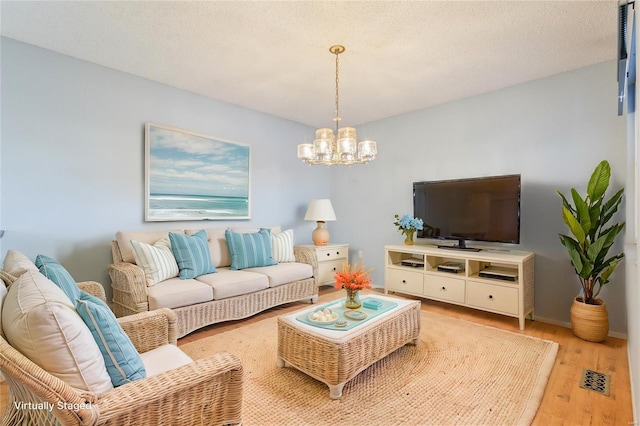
x=207, y=391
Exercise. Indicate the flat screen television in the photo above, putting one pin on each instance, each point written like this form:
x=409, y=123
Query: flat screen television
x=477, y=209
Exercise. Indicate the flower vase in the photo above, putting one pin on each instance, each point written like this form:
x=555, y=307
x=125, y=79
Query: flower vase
x=353, y=299
x=408, y=236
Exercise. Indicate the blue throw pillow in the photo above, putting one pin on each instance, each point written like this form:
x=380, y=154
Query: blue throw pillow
x=192, y=254
x=249, y=250
x=59, y=275
x=121, y=358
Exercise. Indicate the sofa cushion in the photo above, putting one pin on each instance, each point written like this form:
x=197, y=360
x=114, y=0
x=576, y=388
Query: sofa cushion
x=175, y=293
x=15, y=261
x=59, y=275
x=282, y=246
x=121, y=358
x=227, y=283
x=192, y=254
x=164, y=358
x=249, y=250
x=284, y=273
x=157, y=260
x=41, y=323
x=123, y=238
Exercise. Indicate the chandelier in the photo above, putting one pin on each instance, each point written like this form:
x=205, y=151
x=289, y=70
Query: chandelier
x=339, y=148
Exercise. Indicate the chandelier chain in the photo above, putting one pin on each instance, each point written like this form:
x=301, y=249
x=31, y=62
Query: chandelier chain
x=339, y=148
x=337, y=117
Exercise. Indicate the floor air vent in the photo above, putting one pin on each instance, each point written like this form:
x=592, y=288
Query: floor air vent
x=595, y=381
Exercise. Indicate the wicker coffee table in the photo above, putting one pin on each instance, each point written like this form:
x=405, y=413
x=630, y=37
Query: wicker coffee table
x=336, y=356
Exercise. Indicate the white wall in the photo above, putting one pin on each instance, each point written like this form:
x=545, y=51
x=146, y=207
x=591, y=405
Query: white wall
x=72, y=166
x=552, y=131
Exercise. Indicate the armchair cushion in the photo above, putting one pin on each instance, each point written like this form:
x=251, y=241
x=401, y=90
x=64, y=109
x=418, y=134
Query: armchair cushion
x=164, y=358
x=192, y=254
x=157, y=260
x=250, y=250
x=39, y=320
x=121, y=358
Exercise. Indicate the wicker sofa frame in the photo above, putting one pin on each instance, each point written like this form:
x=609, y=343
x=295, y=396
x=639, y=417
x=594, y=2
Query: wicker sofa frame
x=130, y=295
x=207, y=391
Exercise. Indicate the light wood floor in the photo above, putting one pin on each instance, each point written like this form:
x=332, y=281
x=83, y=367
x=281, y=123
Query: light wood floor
x=564, y=401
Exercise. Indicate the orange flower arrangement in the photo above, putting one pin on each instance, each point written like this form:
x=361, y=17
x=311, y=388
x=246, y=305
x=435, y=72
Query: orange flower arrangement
x=353, y=277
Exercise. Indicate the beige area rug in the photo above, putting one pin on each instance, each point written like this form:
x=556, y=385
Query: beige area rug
x=460, y=373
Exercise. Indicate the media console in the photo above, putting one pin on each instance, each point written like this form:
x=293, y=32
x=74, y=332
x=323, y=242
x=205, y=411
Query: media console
x=498, y=281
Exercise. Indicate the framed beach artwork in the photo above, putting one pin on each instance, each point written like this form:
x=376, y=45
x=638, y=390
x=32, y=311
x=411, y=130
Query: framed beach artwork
x=190, y=176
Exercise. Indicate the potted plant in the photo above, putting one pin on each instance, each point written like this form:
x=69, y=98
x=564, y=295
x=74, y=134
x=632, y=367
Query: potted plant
x=588, y=247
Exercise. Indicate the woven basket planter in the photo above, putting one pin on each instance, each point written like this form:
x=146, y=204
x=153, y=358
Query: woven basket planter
x=589, y=322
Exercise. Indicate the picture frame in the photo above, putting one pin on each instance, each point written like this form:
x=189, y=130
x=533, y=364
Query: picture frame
x=192, y=176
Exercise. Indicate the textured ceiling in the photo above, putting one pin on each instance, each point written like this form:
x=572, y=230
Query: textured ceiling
x=274, y=56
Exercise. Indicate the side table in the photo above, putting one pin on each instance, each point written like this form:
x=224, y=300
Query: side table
x=330, y=259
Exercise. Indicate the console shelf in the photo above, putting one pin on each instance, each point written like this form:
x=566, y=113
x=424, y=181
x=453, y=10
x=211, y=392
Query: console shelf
x=493, y=280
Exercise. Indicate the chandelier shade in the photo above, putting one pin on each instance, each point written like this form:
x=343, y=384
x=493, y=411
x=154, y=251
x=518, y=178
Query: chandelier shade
x=341, y=147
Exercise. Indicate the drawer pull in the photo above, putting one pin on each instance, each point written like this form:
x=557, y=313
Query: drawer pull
x=334, y=269
x=444, y=288
x=491, y=297
x=328, y=254
x=404, y=281
x=337, y=253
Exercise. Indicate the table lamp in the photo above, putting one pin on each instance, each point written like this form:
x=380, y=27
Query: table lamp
x=320, y=211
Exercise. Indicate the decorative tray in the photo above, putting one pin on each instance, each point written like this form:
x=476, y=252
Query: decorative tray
x=355, y=315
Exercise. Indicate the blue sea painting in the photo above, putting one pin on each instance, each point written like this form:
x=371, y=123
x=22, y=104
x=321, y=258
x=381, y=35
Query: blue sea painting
x=195, y=177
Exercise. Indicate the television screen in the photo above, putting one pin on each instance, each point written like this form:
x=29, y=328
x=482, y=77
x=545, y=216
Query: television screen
x=477, y=209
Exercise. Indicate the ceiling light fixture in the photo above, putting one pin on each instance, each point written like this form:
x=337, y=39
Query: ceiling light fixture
x=326, y=149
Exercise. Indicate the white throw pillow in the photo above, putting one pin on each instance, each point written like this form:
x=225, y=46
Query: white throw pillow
x=14, y=262
x=157, y=261
x=282, y=246
x=40, y=322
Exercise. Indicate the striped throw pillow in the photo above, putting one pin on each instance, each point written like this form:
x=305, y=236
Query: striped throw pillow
x=192, y=254
x=121, y=358
x=156, y=260
x=59, y=275
x=249, y=250
x=282, y=246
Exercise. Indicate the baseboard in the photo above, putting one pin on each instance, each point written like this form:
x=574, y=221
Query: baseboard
x=566, y=324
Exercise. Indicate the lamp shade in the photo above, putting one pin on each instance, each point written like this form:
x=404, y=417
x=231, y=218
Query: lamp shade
x=320, y=210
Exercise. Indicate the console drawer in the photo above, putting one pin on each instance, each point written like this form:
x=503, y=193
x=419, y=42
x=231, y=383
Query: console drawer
x=493, y=297
x=444, y=288
x=404, y=281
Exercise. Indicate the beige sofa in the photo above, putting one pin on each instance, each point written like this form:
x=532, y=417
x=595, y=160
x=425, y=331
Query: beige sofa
x=211, y=298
